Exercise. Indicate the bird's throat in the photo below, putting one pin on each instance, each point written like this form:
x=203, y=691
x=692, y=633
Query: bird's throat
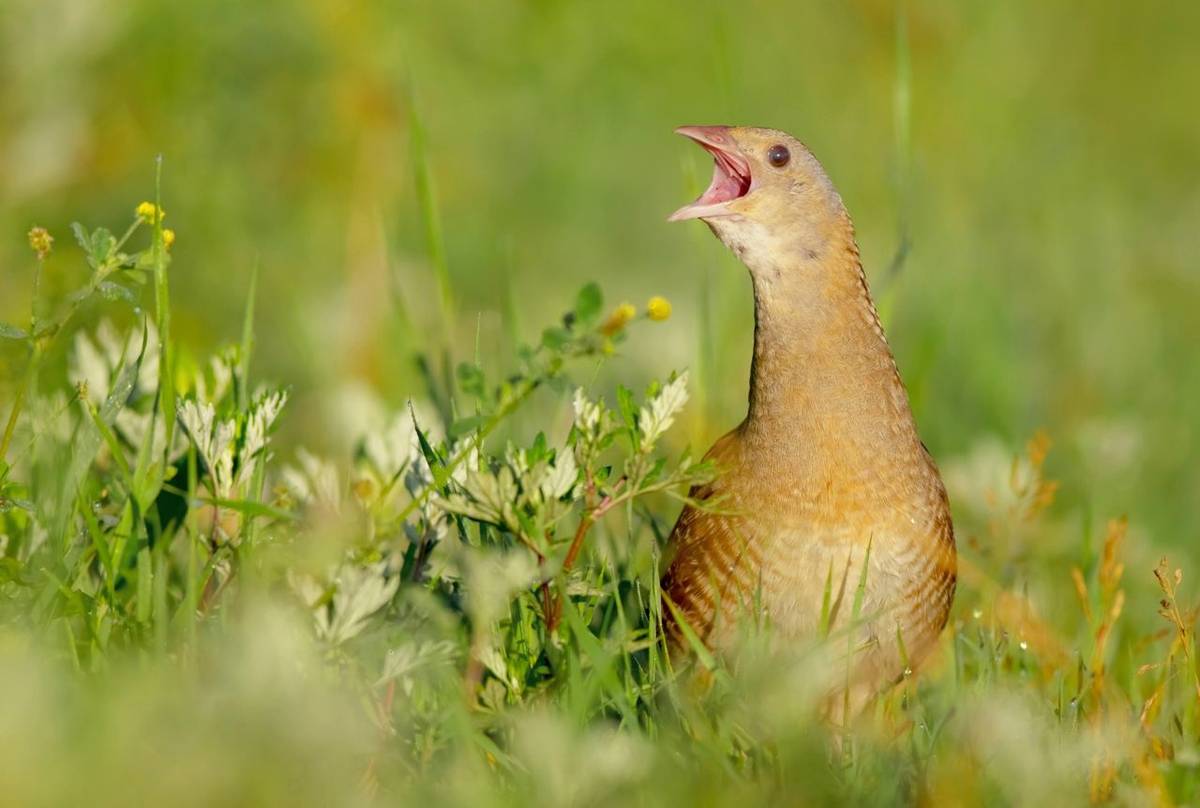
x=822, y=374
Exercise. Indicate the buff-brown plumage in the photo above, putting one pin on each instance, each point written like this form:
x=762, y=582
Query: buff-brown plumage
x=827, y=462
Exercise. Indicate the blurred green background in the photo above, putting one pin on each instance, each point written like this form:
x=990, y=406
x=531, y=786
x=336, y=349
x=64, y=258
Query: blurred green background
x=1043, y=157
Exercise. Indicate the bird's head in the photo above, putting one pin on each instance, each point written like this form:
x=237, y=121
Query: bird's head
x=768, y=196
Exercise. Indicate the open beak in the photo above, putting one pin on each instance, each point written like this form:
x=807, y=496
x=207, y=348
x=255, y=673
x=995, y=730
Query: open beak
x=731, y=173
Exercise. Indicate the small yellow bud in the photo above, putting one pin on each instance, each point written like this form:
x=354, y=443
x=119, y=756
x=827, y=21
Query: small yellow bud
x=619, y=318
x=659, y=308
x=41, y=241
x=146, y=210
x=168, y=237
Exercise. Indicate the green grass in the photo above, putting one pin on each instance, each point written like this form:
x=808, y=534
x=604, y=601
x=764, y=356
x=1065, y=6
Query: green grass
x=449, y=616
x=290, y=541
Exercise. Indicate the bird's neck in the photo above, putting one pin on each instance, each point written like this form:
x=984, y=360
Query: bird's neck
x=822, y=373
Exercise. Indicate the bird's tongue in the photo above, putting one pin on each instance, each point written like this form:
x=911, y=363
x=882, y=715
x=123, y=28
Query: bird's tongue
x=731, y=173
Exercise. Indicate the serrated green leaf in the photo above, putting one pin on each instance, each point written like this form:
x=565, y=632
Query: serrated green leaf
x=101, y=245
x=81, y=236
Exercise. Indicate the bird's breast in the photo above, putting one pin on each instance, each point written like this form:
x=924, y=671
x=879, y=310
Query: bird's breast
x=829, y=550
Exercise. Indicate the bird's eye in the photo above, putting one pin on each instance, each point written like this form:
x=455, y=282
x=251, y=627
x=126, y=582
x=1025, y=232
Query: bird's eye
x=778, y=155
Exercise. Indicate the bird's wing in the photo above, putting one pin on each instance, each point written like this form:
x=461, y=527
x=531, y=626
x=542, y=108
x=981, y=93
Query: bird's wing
x=715, y=559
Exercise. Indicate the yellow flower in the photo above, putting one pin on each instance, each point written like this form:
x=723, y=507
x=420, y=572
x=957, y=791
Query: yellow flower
x=146, y=211
x=41, y=241
x=168, y=237
x=620, y=316
x=659, y=308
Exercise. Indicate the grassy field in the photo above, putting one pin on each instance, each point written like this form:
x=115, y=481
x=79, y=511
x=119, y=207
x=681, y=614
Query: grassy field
x=346, y=480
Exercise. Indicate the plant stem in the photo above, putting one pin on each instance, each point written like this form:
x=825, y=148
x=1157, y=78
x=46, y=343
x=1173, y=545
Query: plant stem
x=585, y=524
x=11, y=426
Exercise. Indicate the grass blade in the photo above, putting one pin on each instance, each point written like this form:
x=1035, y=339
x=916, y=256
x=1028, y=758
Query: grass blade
x=427, y=202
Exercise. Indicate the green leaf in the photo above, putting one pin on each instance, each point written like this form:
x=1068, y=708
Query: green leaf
x=147, y=475
x=115, y=291
x=555, y=338
x=10, y=570
x=249, y=507
x=530, y=529
x=627, y=407
x=247, y=342
x=427, y=204
x=12, y=332
x=860, y=591
x=7, y=504
x=431, y=456
x=826, y=602
x=145, y=580
x=539, y=449
x=99, y=540
x=703, y=655
x=465, y=425
x=655, y=471
x=101, y=245
x=471, y=380
x=81, y=236
x=588, y=304
x=162, y=316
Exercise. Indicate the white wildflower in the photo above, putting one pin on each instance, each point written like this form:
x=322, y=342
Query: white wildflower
x=559, y=480
x=316, y=482
x=263, y=412
x=222, y=374
x=493, y=578
x=213, y=440
x=95, y=361
x=487, y=496
x=393, y=447
x=401, y=663
x=307, y=588
x=589, y=415
x=492, y=658
x=359, y=593
x=88, y=365
x=468, y=449
x=592, y=422
x=517, y=459
x=659, y=413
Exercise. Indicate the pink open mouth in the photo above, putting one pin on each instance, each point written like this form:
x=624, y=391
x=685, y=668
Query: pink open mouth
x=731, y=173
